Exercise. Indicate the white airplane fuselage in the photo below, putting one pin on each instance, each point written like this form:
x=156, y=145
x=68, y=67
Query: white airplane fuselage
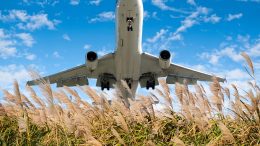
x=129, y=24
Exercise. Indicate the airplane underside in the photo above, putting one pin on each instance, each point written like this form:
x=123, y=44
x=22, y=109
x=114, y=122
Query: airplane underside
x=128, y=62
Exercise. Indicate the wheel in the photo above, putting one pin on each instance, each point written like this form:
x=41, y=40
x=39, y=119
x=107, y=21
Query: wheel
x=129, y=28
x=107, y=86
x=104, y=86
x=150, y=84
x=147, y=85
x=153, y=85
x=129, y=19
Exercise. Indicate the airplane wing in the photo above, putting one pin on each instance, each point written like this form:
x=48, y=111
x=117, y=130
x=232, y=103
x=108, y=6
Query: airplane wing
x=175, y=73
x=79, y=75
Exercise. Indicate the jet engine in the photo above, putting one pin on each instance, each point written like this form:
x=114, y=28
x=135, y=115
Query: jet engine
x=165, y=59
x=92, y=60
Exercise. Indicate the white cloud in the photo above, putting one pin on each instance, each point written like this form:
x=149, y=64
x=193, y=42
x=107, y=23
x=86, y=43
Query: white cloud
x=102, y=17
x=191, y=2
x=236, y=74
x=10, y=41
x=87, y=46
x=257, y=64
x=26, y=38
x=6, y=49
x=162, y=39
x=95, y=2
x=154, y=15
x=103, y=51
x=41, y=3
x=38, y=21
x=254, y=51
x=257, y=1
x=157, y=42
x=29, y=22
x=66, y=37
x=7, y=46
x=56, y=54
x=12, y=72
x=213, y=19
x=74, y=2
x=233, y=49
x=226, y=52
x=234, y=16
x=189, y=22
x=30, y=57
x=162, y=5
x=158, y=36
x=2, y=34
x=14, y=15
x=148, y=15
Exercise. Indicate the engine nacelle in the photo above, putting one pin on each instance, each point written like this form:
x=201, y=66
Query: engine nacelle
x=165, y=59
x=92, y=60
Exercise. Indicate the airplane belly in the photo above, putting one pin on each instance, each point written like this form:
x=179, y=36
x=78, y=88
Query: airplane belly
x=129, y=33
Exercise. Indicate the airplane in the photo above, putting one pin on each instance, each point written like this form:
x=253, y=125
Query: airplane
x=128, y=62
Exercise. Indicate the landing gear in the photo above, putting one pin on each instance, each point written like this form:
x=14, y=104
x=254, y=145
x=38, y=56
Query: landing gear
x=130, y=21
x=148, y=80
x=130, y=28
x=106, y=81
x=105, y=85
x=150, y=84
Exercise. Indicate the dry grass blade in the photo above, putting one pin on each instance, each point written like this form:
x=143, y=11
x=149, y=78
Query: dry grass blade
x=74, y=94
x=227, y=92
x=93, y=142
x=179, y=92
x=249, y=63
x=22, y=124
x=26, y=101
x=65, y=99
x=116, y=134
x=166, y=94
x=2, y=110
x=46, y=90
x=17, y=94
x=150, y=143
x=9, y=97
x=92, y=94
x=226, y=134
x=122, y=122
x=177, y=141
x=34, y=96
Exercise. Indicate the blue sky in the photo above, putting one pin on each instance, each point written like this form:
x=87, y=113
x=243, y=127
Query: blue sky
x=51, y=36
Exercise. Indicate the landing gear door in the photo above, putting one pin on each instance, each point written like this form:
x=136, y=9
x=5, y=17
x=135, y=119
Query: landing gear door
x=106, y=81
x=148, y=80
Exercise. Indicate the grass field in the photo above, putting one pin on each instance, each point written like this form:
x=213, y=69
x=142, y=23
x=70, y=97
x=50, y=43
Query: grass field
x=222, y=117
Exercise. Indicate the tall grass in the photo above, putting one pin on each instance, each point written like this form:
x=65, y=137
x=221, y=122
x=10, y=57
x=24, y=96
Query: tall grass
x=63, y=118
